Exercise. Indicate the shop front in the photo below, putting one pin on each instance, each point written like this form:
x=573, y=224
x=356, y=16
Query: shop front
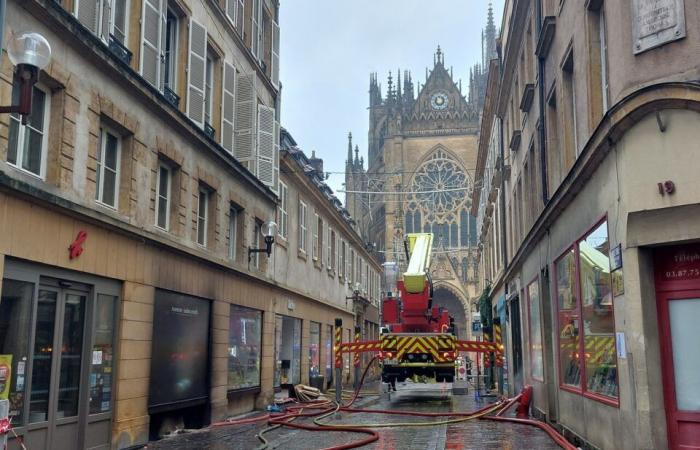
x=57, y=340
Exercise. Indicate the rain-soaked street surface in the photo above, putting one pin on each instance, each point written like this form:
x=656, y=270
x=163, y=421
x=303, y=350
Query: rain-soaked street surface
x=470, y=434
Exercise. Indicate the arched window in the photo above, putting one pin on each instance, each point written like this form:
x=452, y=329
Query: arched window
x=409, y=222
x=464, y=228
x=454, y=235
x=465, y=269
x=472, y=231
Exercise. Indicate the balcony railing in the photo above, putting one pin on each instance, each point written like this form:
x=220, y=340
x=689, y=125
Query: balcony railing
x=171, y=96
x=119, y=50
x=209, y=130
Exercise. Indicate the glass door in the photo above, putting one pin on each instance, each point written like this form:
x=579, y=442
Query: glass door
x=678, y=313
x=57, y=364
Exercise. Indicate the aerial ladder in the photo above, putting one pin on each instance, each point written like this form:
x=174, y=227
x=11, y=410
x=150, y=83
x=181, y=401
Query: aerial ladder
x=416, y=339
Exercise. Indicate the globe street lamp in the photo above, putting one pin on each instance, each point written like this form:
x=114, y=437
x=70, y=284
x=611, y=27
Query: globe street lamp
x=268, y=231
x=29, y=52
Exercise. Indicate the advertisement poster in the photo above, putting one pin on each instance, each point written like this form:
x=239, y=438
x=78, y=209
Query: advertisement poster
x=5, y=376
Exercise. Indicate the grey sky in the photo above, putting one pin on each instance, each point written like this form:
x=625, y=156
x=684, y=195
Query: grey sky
x=329, y=47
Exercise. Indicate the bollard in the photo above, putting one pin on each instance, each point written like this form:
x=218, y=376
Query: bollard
x=338, y=360
x=356, y=360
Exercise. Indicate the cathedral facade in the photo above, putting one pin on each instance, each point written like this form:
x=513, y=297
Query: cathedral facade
x=422, y=151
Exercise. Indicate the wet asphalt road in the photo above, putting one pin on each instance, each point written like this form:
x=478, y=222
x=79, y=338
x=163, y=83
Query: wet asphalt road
x=472, y=434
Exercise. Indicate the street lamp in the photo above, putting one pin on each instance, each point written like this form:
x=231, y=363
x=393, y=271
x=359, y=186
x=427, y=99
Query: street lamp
x=268, y=231
x=29, y=52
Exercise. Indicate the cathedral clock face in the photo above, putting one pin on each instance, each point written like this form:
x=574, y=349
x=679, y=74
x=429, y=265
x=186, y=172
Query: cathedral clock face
x=439, y=100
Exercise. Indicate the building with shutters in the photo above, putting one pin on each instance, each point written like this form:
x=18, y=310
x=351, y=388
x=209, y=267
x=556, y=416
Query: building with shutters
x=129, y=305
x=587, y=216
x=421, y=159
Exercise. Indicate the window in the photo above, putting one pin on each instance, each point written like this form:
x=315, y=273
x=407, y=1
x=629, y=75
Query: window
x=244, y=348
x=314, y=350
x=302, y=226
x=119, y=20
x=342, y=266
x=282, y=210
x=171, y=35
x=108, y=156
x=554, y=155
x=234, y=11
x=100, y=392
x=233, y=217
x=587, y=352
x=27, y=146
x=202, y=216
x=318, y=224
x=331, y=249
x=256, y=29
x=569, y=82
x=163, y=197
x=535, y=331
x=208, y=87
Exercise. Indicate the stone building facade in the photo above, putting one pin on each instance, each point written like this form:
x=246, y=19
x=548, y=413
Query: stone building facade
x=128, y=204
x=419, y=145
x=587, y=215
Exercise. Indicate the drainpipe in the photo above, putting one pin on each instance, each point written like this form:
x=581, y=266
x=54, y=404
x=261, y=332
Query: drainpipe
x=543, y=125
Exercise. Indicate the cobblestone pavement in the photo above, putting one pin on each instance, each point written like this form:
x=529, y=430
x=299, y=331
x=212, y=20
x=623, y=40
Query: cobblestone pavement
x=472, y=434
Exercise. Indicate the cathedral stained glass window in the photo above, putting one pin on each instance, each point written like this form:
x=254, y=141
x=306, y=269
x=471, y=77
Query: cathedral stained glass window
x=440, y=199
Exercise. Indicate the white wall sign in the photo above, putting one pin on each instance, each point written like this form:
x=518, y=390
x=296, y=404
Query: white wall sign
x=620, y=344
x=657, y=22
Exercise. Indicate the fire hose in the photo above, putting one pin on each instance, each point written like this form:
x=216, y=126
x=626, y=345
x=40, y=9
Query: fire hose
x=325, y=408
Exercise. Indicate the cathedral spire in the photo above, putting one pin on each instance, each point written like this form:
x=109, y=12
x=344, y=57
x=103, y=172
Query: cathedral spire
x=490, y=37
x=357, y=155
x=349, y=160
x=439, y=58
x=398, y=84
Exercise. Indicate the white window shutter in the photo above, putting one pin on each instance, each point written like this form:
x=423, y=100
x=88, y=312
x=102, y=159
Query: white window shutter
x=106, y=19
x=275, y=69
x=244, y=121
x=88, y=12
x=150, y=41
x=228, y=106
x=196, y=72
x=276, y=154
x=266, y=144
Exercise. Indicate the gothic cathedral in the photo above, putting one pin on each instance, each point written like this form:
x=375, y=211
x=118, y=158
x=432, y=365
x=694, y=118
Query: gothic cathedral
x=422, y=152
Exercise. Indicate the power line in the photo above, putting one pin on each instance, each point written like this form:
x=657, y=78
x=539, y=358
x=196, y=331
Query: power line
x=438, y=191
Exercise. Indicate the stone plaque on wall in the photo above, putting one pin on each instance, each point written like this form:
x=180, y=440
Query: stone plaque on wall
x=657, y=22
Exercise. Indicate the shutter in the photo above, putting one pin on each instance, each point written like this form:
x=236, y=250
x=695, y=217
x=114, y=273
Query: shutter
x=275, y=69
x=266, y=144
x=276, y=154
x=87, y=12
x=244, y=121
x=105, y=27
x=150, y=41
x=228, y=105
x=255, y=28
x=196, y=72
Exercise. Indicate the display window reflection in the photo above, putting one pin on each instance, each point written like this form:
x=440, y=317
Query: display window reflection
x=587, y=352
x=245, y=337
x=535, y=331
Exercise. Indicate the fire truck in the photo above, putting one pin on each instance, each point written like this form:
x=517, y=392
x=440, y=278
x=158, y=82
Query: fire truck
x=417, y=339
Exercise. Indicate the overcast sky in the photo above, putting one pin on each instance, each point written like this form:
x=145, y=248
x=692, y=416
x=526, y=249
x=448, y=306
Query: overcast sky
x=329, y=48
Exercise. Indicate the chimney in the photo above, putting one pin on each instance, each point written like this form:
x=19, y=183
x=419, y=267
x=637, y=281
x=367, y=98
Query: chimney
x=316, y=163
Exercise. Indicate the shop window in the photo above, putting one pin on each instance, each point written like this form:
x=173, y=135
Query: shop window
x=15, y=316
x=244, y=348
x=535, y=331
x=101, y=369
x=597, y=307
x=587, y=352
x=108, y=156
x=569, y=319
x=287, y=350
x=28, y=145
x=314, y=350
x=330, y=362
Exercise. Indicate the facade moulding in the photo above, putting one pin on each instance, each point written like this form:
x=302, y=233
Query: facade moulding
x=62, y=22
x=53, y=202
x=620, y=118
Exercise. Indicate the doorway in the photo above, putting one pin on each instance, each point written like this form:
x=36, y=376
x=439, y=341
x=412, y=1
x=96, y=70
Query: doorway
x=677, y=277
x=517, y=346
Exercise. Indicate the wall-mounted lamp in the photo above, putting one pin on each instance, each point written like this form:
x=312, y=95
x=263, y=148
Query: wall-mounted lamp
x=29, y=52
x=268, y=231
